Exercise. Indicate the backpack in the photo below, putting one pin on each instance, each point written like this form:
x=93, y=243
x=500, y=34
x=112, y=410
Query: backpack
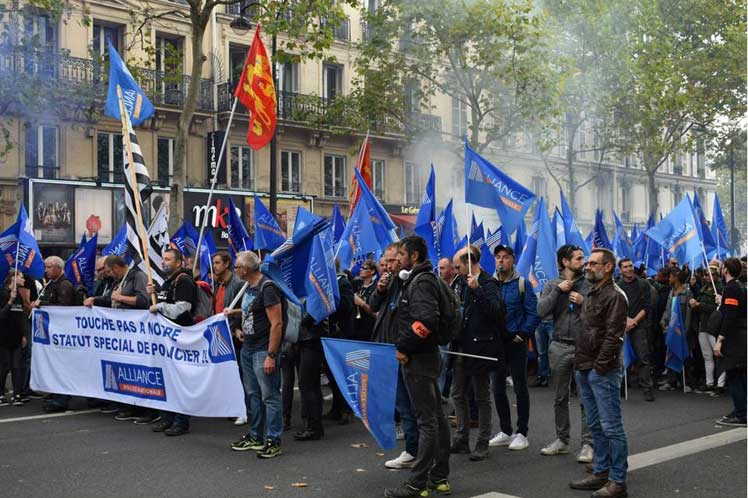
x=294, y=314
x=450, y=314
x=202, y=308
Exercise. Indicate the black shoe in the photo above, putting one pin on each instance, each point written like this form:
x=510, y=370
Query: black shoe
x=124, y=415
x=540, y=382
x=146, y=419
x=405, y=490
x=460, y=447
x=480, y=452
x=649, y=395
x=177, y=430
x=611, y=490
x=307, y=435
x=591, y=482
x=16, y=401
x=161, y=426
x=731, y=420
x=109, y=409
x=270, y=450
x=34, y=395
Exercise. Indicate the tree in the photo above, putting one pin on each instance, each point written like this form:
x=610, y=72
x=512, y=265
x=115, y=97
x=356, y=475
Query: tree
x=684, y=74
x=490, y=57
x=728, y=159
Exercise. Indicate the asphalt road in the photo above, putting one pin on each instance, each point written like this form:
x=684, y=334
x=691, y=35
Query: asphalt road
x=89, y=454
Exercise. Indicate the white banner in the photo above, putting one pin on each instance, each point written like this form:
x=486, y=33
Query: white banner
x=138, y=358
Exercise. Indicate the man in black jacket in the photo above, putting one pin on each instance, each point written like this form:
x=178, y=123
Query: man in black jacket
x=418, y=315
x=482, y=333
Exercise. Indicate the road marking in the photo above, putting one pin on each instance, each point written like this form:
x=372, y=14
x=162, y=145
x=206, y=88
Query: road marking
x=678, y=450
x=47, y=415
x=667, y=453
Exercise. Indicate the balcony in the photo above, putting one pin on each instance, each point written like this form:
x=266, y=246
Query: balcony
x=88, y=78
x=426, y=122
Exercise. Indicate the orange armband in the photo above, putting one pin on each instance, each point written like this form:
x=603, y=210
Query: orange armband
x=731, y=301
x=420, y=330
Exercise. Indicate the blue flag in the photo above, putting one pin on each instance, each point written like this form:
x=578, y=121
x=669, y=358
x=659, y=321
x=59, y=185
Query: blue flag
x=118, y=245
x=303, y=218
x=538, y=261
x=268, y=234
x=303, y=267
x=359, y=239
x=497, y=238
x=621, y=243
x=136, y=102
x=675, y=340
x=487, y=186
x=559, y=229
x=629, y=355
x=449, y=237
x=18, y=242
x=705, y=233
x=723, y=245
x=338, y=224
x=367, y=375
x=572, y=234
x=520, y=239
x=652, y=250
x=678, y=234
x=599, y=234
x=384, y=228
x=81, y=265
x=239, y=239
x=208, y=249
x=185, y=239
x=720, y=231
x=477, y=233
x=425, y=225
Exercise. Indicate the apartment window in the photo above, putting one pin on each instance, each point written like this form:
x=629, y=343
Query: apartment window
x=288, y=77
x=165, y=161
x=237, y=56
x=290, y=171
x=412, y=97
x=413, y=192
x=459, y=118
x=377, y=173
x=109, y=157
x=335, y=176
x=169, y=59
x=43, y=28
x=539, y=186
x=103, y=34
x=41, y=151
x=332, y=75
x=241, y=167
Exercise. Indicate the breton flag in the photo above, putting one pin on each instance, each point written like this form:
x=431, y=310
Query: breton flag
x=158, y=241
x=137, y=183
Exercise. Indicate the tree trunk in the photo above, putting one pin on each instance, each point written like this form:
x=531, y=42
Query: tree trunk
x=652, y=191
x=176, y=195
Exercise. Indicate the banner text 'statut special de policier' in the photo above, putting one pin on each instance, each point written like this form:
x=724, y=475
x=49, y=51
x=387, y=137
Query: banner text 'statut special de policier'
x=138, y=358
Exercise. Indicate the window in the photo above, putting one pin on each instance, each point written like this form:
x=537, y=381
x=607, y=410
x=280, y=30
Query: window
x=412, y=97
x=459, y=118
x=103, y=34
x=288, y=77
x=169, y=61
x=41, y=151
x=377, y=173
x=43, y=29
x=335, y=176
x=290, y=171
x=241, y=167
x=539, y=186
x=165, y=161
x=413, y=192
x=109, y=157
x=237, y=56
x=332, y=84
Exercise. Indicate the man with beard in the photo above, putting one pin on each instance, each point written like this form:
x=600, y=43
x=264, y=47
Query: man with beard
x=598, y=375
x=561, y=301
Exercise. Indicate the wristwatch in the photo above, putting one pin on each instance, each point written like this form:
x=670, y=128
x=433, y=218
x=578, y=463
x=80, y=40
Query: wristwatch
x=273, y=355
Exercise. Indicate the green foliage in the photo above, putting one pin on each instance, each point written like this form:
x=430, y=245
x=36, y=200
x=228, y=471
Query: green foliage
x=730, y=150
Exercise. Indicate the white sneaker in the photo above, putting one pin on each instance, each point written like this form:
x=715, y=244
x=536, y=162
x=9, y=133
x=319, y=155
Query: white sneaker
x=404, y=461
x=557, y=447
x=399, y=433
x=501, y=439
x=510, y=382
x=519, y=442
x=240, y=421
x=585, y=454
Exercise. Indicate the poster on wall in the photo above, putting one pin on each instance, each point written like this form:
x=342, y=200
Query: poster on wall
x=217, y=213
x=93, y=213
x=54, y=213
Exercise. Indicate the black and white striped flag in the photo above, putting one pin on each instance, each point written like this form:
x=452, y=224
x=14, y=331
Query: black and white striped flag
x=158, y=240
x=142, y=183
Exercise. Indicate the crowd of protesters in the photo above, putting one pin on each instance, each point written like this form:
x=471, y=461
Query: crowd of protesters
x=574, y=329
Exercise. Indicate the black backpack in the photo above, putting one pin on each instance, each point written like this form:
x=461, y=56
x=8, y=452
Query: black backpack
x=450, y=314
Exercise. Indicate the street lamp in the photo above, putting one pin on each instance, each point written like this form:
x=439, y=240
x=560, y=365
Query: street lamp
x=241, y=24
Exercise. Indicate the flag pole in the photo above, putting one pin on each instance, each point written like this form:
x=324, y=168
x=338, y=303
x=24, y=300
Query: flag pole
x=204, y=221
x=15, y=271
x=711, y=278
x=470, y=229
x=134, y=185
x=683, y=373
x=625, y=383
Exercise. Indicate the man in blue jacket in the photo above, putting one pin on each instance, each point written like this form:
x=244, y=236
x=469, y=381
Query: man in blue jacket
x=520, y=306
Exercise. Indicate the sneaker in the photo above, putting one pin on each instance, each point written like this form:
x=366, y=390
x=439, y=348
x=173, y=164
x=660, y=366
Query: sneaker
x=557, y=447
x=404, y=461
x=405, y=491
x=666, y=387
x=586, y=454
x=177, y=430
x=161, y=426
x=271, y=450
x=123, y=415
x=34, y=395
x=146, y=419
x=687, y=389
x=501, y=439
x=731, y=421
x=247, y=443
x=4, y=401
x=510, y=382
x=240, y=421
x=399, y=432
x=519, y=442
x=109, y=409
x=480, y=452
x=16, y=401
x=440, y=487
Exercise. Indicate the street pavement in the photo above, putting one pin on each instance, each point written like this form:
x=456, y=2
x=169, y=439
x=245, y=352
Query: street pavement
x=90, y=454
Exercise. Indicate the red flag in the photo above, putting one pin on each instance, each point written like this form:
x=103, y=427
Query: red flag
x=363, y=164
x=257, y=92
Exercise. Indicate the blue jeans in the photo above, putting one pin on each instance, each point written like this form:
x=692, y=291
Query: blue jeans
x=601, y=397
x=407, y=418
x=543, y=335
x=264, y=392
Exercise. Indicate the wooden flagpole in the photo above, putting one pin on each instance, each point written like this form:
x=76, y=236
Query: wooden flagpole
x=142, y=234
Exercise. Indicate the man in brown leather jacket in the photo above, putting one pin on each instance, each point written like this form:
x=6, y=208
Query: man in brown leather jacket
x=599, y=372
